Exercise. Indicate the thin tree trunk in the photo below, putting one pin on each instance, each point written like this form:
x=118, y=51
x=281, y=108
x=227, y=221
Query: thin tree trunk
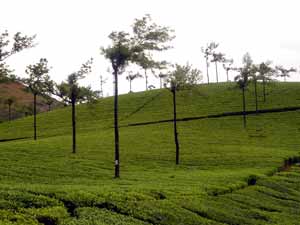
x=255, y=91
x=207, y=71
x=130, y=85
x=175, y=126
x=217, y=76
x=160, y=82
x=117, y=154
x=49, y=107
x=227, y=75
x=146, y=77
x=264, y=89
x=73, y=124
x=101, y=86
x=9, y=112
x=34, y=116
x=244, y=107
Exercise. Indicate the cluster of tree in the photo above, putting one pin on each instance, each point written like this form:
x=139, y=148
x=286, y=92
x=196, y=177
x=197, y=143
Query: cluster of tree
x=254, y=73
x=211, y=55
x=69, y=91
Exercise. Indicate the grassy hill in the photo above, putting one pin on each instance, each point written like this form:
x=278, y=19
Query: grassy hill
x=23, y=104
x=42, y=182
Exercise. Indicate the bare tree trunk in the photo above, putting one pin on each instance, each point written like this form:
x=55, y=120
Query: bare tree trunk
x=207, y=71
x=160, y=82
x=49, y=107
x=217, y=77
x=175, y=126
x=130, y=85
x=244, y=107
x=9, y=112
x=264, y=89
x=73, y=123
x=101, y=86
x=117, y=154
x=34, y=116
x=227, y=75
x=255, y=91
x=146, y=77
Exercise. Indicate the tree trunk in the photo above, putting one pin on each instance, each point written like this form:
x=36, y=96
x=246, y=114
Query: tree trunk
x=175, y=126
x=264, y=89
x=256, y=101
x=244, y=107
x=146, y=77
x=34, y=116
x=160, y=82
x=207, y=71
x=101, y=86
x=9, y=112
x=217, y=76
x=73, y=100
x=49, y=107
x=227, y=75
x=130, y=86
x=116, y=126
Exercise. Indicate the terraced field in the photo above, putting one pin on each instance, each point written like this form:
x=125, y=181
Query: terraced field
x=227, y=174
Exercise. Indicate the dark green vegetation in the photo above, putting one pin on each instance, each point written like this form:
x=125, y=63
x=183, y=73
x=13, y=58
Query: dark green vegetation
x=43, y=182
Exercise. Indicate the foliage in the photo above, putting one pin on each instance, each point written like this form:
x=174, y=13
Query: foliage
x=10, y=47
x=39, y=80
x=284, y=72
x=70, y=90
x=245, y=72
x=184, y=77
x=132, y=76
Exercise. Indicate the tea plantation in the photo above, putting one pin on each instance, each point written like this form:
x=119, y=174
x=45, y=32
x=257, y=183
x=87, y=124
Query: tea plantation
x=227, y=174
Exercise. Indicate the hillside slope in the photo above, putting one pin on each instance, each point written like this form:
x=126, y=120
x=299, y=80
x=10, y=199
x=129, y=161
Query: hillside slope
x=23, y=101
x=42, y=182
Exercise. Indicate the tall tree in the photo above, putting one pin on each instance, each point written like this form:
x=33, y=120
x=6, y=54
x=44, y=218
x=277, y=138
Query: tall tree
x=162, y=76
x=130, y=77
x=136, y=48
x=9, y=102
x=254, y=76
x=38, y=83
x=208, y=51
x=216, y=58
x=10, y=46
x=102, y=81
x=242, y=81
x=71, y=93
x=49, y=101
x=227, y=65
x=265, y=73
x=183, y=77
x=150, y=37
x=283, y=72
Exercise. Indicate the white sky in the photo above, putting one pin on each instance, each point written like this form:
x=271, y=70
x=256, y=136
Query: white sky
x=71, y=31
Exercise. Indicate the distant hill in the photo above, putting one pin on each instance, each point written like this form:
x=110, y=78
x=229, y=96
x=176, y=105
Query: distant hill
x=23, y=101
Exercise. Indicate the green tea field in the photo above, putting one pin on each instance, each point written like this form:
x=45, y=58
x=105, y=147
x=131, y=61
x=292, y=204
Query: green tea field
x=227, y=174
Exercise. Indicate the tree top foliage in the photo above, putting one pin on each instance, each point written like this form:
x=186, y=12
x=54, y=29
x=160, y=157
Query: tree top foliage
x=183, y=77
x=70, y=91
x=137, y=47
x=39, y=81
x=10, y=46
x=245, y=71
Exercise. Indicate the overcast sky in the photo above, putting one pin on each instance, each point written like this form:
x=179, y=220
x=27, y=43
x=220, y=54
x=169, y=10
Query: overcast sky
x=71, y=31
